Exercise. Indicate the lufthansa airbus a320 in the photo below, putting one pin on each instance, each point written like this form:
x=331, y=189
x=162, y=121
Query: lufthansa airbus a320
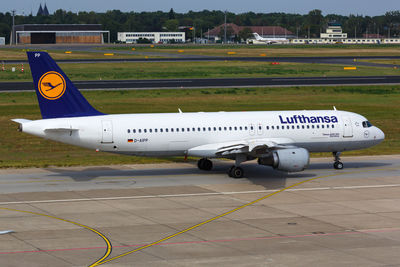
x=281, y=139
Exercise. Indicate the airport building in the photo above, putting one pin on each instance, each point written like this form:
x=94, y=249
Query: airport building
x=154, y=37
x=335, y=35
x=59, y=34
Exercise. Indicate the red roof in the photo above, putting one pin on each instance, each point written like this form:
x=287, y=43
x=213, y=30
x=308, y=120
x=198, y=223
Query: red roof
x=261, y=30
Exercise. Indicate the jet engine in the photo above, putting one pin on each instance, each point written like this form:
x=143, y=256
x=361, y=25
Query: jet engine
x=288, y=159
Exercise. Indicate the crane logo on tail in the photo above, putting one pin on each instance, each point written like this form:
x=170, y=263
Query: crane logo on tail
x=52, y=85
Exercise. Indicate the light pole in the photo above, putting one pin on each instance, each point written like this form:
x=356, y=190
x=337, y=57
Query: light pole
x=13, y=30
x=225, y=29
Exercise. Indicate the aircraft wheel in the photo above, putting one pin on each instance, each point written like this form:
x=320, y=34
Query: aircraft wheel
x=204, y=164
x=200, y=164
x=338, y=165
x=207, y=165
x=236, y=172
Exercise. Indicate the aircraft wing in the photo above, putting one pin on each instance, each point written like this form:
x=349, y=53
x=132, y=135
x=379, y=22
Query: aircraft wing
x=253, y=147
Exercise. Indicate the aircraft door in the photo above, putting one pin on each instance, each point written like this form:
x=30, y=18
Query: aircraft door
x=107, y=132
x=347, y=127
x=252, y=129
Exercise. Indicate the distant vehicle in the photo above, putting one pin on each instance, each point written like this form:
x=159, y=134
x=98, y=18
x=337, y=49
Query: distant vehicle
x=281, y=139
x=270, y=40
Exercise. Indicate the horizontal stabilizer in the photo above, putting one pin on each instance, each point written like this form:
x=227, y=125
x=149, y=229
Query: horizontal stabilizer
x=21, y=121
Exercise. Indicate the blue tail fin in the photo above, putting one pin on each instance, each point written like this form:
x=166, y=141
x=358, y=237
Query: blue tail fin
x=57, y=95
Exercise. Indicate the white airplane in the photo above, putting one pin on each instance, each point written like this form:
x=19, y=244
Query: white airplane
x=281, y=139
x=270, y=40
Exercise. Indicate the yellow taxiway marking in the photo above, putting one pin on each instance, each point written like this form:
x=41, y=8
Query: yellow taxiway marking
x=108, y=243
x=214, y=218
x=227, y=213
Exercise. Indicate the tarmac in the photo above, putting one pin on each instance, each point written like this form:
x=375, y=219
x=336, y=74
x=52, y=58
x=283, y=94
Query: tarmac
x=177, y=215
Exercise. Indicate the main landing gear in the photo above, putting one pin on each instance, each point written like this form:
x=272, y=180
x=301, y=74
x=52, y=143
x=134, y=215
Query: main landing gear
x=338, y=165
x=235, y=171
x=204, y=164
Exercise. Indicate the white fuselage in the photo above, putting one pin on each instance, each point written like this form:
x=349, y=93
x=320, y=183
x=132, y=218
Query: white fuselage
x=174, y=134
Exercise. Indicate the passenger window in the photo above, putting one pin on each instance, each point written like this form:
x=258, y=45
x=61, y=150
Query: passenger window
x=224, y=128
x=230, y=128
x=129, y=131
x=298, y=126
x=183, y=129
x=322, y=126
x=245, y=128
x=199, y=129
x=145, y=130
x=204, y=129
x=140, y=130
x=150, y=130
x=134, y=130
x=219, y=128
x=272, y=127
x=308, y=126
x=177, y=129
x=161, y=130
x=166, y=130
x=209, y=128
x=277, y=127
x=251, y=128
x=240, y=128
x=215, y=128
x=172, y=129
x=302, y=126
x=327, y=126
x=312, y=126
x=333, y=126
x=259, y=127
x=318, y=126
x=188, y=129
x=193, y=129
x=267, y=127
x=287, y=127
x=292, y=126
x=235, y=128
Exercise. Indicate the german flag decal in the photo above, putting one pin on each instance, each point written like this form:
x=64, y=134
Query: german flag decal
x=130, y=140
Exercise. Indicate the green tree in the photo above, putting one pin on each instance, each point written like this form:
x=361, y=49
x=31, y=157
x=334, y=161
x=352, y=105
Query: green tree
x=245, y=34
x=229, y=33
x=171, y=25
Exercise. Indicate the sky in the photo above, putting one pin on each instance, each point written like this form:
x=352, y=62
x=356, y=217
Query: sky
x=342, y=7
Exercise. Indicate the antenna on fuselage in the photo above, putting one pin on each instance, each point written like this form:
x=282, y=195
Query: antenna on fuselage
x=334, y=108
x=180, y=111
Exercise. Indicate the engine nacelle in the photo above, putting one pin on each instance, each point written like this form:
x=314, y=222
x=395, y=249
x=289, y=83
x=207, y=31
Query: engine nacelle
x=289, y=159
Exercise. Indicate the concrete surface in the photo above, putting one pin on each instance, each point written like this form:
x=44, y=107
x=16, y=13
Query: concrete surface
x=351, y=219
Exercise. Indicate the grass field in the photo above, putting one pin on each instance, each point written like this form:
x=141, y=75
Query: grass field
x=378, y=103
x=222, y=69
x=270, y=50
x=20, y=54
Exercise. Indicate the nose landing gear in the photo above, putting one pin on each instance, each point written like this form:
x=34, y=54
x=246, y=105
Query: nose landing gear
x=338, y=165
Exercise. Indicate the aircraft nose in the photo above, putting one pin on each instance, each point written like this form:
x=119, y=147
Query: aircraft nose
x=379, y=135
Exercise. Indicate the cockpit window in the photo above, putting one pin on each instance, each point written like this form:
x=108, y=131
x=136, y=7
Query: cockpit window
x=366, y=124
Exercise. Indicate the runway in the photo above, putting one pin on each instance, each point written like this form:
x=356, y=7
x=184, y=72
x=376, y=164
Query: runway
x=320, y=217
x=212, y=83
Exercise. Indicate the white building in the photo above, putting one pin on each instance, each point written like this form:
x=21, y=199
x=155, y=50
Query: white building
x=335, y=35
x=2, y=40
x=334, y=31
x=154, y=37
